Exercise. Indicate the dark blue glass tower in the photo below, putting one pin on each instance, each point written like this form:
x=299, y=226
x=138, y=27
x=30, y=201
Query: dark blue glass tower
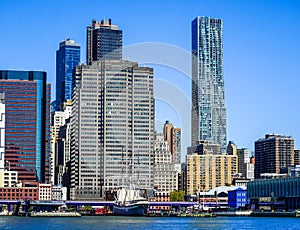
x=27, y=123
x=67, y=57
x=104, y=41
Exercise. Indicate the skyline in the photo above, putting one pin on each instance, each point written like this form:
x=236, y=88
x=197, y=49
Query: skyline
x=260, y=46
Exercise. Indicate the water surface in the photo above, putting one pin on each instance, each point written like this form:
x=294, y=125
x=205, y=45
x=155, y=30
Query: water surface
x=115, y=222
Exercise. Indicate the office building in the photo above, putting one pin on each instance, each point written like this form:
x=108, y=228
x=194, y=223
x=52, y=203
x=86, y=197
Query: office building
x=204, y=147
x=45, y=192
x=67, y=57
x=60, y=148
x=2, y=130
x=273, y=153
x=245, y=167
x=173, y=137
x=165, y=173
x=8, y=178
x=207, y=168
x=112, y=127
x=27, y=123
x=208, y=96
x=297, y=157
x=59, y=193
x=231, y=148
x=103, y=41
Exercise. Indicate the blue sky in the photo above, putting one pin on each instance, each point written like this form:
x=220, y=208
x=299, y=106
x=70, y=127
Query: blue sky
x=261, y=51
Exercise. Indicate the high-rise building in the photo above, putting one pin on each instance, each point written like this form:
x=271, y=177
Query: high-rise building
x=103, y=41
x=2, y=130
x=231, y=148
x=207, y=168
x=60, y=148
x=165, y=173
x=67, y=57
x=273, y=153
x=112, y=127
x=297, y=157
x=246, y=168
x=27, y=123
x=208, y=99
x=173, y=137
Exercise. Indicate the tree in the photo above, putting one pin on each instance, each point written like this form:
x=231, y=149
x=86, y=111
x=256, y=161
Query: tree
x=177, y=196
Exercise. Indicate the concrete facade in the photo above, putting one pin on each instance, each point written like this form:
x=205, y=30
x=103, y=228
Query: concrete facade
x=273, y=153
x=112, y=127
x=207, y=169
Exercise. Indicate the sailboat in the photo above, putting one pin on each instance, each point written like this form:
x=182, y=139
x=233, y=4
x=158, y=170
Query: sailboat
x=130, y=202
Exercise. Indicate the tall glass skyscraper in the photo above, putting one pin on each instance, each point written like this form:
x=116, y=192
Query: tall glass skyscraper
x=67, y=57
x=208, y=99
x=27, y=123
x=104, y=41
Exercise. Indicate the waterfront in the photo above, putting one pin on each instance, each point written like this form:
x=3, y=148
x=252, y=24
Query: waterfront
x=115, y=222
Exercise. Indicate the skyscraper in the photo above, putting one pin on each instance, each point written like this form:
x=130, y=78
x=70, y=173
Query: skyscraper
x=173, y=137
x=273, y=153
x=67, y=57
x=112, y=127
x=208, y=99
x=2, y=130
x=103, y=41
x=27, y=123
x=60, y=124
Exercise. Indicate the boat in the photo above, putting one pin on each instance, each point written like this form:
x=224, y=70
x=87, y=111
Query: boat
x=54, y=214
x=281, y=213
x=130, y=202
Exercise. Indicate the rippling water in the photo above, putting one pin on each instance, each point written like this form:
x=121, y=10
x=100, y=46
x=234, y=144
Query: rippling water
x=114, y=222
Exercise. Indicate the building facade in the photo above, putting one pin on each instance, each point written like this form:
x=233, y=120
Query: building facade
x=59, y=193
x=19, y=193
x=67, y=57
x=8, y=178
x=104, y=41
x=27, y=123
x=237, y=198
x=283, y=193
x=245, y=167
x=45, y=192
x=2, y=130
x=273, y=153
x=173, y=137
x=165, y=173
x=112, y=127
x=206, y=169
x=296, y=156
x=60, y=145
x=208, y=97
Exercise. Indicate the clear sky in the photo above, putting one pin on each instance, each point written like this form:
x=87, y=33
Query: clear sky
x=261, y=52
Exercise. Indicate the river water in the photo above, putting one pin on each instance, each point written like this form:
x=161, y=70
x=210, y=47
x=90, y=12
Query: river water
x=115, y=222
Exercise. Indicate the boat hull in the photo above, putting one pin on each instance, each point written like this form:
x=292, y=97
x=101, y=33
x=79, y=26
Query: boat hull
x=130, y=210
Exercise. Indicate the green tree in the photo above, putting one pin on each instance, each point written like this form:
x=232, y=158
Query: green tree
x=88, y=208
x=177, y=196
